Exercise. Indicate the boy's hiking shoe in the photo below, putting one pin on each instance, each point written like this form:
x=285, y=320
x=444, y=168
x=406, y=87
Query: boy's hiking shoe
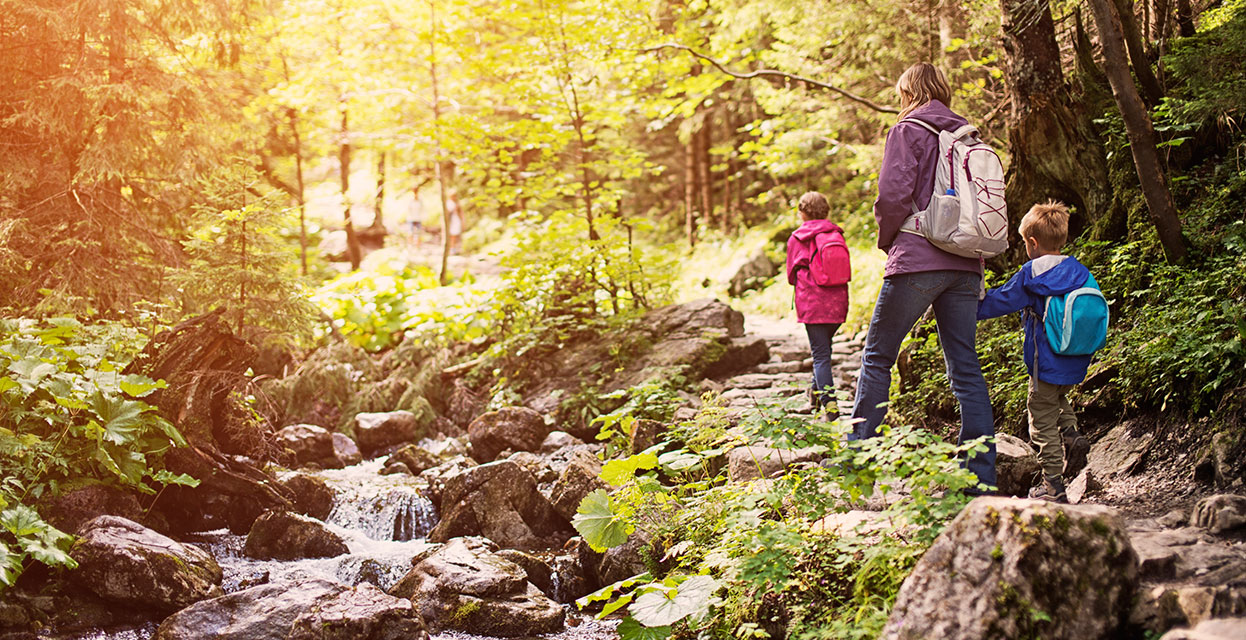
x=1051, y=490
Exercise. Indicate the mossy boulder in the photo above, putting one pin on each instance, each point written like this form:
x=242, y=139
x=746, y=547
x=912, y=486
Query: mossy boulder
x=1008, y=568
x=281, y=535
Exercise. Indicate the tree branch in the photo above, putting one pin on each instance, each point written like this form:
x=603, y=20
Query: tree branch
x=772, y=73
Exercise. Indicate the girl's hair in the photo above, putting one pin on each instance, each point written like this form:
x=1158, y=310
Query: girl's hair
x=920, y=84
x=813, y=206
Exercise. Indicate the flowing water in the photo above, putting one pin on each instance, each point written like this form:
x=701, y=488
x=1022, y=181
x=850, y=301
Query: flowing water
x=384, y=520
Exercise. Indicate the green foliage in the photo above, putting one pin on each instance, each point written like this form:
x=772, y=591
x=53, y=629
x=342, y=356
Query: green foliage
x=760, y=541
x=598, y=522
x=237, y=259
x=71, y=418
x=1211, y=67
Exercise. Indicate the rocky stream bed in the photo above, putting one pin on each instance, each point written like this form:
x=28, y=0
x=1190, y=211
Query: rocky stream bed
x=468, y=535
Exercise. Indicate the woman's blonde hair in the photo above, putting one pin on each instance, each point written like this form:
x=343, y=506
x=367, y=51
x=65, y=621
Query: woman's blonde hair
x=920, y=84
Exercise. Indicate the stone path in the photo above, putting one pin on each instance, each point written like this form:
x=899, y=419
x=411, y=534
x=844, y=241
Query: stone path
x=789, y=371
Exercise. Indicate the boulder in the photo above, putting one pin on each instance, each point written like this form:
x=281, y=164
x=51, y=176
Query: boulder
x=1007, y=568
x=741, y=354
x=559, y=440
x=1163, y=607
x=514, y=428
x=753, y=274
x=580, y=477
x=440, y=474
x=575, y=568
x=749, y=463
x=345, y=450
x=464, y=586
x=312, y=495
x=1217, y=465
x=394, y=467
x=499, y=501
x=464, y=405
x=626, y=560
x=306, y=444
x=72, y=509
x=126, y=563
x=1121, y=452
x=1215, y=629
x=417, y=459
x=1083, y=486
x=1220, y=513
x=1016, y=466
x=645, y=433
x=376, y=431
x=281, y=535
x=695, y=317
x=310, y=609
x=538, y=572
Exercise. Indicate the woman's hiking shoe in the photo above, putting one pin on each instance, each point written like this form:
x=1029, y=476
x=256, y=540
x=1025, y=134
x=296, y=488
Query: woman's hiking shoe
x=1051, y=490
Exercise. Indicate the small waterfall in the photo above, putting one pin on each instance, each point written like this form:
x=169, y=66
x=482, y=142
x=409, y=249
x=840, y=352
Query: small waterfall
x=381, y=507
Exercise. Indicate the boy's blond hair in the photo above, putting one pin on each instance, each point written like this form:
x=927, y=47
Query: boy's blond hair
x=813, y=206
x=1048, y=223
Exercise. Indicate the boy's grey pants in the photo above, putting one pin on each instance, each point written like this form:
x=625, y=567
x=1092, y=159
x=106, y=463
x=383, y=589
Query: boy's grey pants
x=1050, y=413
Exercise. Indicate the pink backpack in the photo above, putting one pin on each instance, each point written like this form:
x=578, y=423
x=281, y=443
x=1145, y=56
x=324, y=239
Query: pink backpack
x=830, y=265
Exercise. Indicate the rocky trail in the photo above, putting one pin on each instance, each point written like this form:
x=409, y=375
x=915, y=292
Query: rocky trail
x=465, y=532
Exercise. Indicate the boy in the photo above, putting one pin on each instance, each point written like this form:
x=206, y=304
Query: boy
x=1048, y=273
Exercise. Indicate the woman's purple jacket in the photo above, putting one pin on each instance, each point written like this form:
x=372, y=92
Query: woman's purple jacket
x=814, y=304
x=907, y=176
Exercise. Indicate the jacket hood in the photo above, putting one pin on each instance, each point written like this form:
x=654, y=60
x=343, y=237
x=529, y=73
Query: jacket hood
x=937, y=115
x=813, y=228
x=1060, y=279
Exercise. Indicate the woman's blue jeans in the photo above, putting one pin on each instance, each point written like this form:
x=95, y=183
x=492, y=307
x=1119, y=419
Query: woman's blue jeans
x=901, y=302
x=820, y=337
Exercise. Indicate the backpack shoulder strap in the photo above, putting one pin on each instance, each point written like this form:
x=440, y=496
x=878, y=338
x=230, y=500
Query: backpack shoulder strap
x=918, y=121
x=963, y=131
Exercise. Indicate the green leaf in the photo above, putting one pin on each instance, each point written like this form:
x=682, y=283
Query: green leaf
x=21, y=521
x=164, y=476
x=631, y=629
x=692, y=598
x=10, y=565
x=121, y=419
x=138, y=386
x=600, y=525
x=617, y=472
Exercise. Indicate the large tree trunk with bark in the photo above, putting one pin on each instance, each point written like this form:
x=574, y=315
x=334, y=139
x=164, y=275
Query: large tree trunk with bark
x=1054, y=148
x=1137, y=52
x=1140, y=132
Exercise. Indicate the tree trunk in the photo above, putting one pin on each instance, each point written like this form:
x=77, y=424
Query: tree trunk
x=729, y=172
x=1137, y=52
x=378, y=220
x=704, y=169
x=353, y=252
x=1054, y=148
x=1139, y=130
x=438, y=169
x=1185, y=18
x=690, y=188
x=301, y=196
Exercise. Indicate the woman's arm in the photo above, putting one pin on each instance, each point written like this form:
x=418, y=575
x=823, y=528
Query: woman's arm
x=896, y=180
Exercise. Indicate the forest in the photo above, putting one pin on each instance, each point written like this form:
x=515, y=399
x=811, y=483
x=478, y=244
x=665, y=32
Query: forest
x=543, y=239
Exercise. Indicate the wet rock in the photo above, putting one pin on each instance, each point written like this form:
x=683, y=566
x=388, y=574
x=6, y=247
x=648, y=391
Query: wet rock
x=417, y=459
x=376, y=431
x=559, y=440
x=437, y=476
x=308, y=444
x=281, y=535
x=312, y=495
x=1220, y=513
x=580, y=477
x=464, y=586
x=753, y=274
x=499, y=501
x=576, y=569
x=1007, y=568
x=345, y=450
x=312, y=609
x=395, y=467
x=124, y=562
x=514, y=428
x=537, y=466
x=1083, y=486
x=539, y=573
x=1016, y=465
x=1216, y=629
x=69, y=511
x=749, y=463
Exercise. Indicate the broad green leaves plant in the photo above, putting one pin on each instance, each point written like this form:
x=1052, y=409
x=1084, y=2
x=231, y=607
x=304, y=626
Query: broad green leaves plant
x=599, y=523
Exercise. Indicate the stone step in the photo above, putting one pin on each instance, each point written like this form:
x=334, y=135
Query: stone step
x=790, y=366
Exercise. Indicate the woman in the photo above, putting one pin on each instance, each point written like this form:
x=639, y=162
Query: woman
x=919, y=275
x=820, y=309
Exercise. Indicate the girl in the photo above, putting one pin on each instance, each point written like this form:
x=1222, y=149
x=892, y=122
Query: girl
x=820, y=309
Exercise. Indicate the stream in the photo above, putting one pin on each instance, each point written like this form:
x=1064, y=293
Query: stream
x=384, y=520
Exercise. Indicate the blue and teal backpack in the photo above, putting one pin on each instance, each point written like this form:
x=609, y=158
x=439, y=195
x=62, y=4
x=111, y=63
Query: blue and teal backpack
x=1076, y=323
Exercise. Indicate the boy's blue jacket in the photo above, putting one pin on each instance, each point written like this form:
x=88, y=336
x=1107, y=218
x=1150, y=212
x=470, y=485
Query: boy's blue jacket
x=1023, y=291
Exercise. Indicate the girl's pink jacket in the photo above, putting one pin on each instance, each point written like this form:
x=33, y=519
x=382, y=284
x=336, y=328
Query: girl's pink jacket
x=814, y=304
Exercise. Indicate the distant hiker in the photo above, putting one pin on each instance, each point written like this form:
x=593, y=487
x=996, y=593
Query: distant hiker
x=919, y=275
x=1063, y=311
x=818, y=267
